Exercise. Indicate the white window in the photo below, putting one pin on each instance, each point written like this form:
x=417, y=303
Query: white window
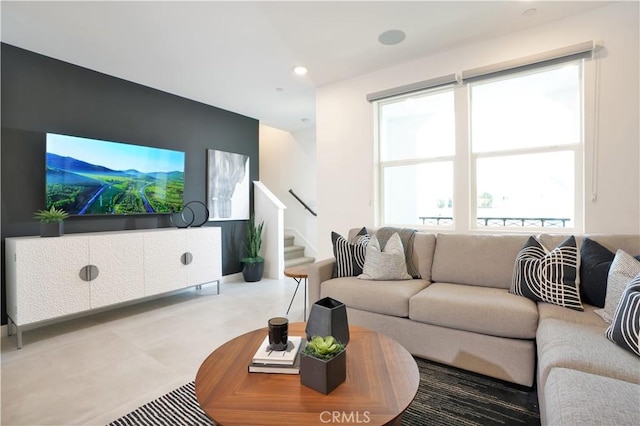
x=522, y=156
x=526, y=144
x=416, y=136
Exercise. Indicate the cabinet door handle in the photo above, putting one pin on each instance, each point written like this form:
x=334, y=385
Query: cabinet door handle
x=186, y=258
x=89, y=272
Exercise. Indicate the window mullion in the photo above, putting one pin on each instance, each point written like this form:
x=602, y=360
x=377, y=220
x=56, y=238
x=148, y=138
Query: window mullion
x=462, y=184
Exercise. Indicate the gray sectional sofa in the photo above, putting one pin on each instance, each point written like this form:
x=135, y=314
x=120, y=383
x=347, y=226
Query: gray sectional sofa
x=460, y=313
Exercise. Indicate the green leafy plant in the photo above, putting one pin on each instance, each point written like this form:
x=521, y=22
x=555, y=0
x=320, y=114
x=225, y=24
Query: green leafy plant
x=323, y=347
x=52, y=215
x=253, y=242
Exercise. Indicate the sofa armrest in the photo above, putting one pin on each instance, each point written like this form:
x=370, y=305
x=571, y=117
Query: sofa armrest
x=318, y=272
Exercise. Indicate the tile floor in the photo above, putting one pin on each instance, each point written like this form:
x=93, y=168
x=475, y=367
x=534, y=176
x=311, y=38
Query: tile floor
x=95, y=369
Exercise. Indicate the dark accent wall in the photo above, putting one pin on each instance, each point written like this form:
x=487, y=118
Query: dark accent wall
x=41, y=94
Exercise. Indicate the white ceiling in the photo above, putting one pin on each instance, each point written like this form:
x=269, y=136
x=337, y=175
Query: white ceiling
x=234, y=55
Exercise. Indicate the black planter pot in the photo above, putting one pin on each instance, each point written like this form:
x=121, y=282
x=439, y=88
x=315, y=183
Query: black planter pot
x=52, y=229
x=252, y=272
x=323, y=375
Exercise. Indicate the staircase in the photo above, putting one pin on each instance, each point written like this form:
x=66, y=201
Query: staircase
x=294, y=255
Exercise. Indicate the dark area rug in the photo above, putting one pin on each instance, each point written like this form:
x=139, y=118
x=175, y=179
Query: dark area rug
x=446, y=396
x=450, y=396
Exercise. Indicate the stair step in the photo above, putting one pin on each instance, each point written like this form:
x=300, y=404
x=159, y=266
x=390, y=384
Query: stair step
x=299, y=261
x=288, y=240
x=292, y=252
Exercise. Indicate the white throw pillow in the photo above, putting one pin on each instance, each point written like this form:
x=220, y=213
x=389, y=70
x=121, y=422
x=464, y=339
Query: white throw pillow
x=623, y=269
x=387, y=264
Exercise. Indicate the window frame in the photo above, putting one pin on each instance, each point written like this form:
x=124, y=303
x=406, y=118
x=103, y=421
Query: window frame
x=465, y=160
x=380, y=165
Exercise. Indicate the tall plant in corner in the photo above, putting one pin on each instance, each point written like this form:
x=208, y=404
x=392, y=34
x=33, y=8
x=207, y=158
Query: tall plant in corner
x=253, y=262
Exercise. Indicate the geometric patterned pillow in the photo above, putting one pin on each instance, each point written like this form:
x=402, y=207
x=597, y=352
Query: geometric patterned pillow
x=625, y=327
x=349, y=256
x=548, y=276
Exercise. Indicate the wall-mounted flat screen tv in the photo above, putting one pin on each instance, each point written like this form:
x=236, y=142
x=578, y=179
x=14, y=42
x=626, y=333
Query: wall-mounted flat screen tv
x=94, y=177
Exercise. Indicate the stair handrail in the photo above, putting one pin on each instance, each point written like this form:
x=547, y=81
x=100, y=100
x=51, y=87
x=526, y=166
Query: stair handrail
x=303, y=203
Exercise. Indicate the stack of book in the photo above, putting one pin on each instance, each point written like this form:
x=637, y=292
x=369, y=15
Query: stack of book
x=279, y=362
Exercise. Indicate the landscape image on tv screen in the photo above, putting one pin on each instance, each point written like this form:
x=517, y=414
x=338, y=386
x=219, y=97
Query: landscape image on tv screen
x=89, y=177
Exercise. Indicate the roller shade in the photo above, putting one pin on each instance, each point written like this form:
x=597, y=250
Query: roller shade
x=413, y=87
x=563, y=54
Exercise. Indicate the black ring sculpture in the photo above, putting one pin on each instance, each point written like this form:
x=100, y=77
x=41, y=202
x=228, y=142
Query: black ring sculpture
x=179, y=220
x=203, y=210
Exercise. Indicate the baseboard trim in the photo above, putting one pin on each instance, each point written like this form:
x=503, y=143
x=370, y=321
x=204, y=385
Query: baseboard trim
x=231, y=278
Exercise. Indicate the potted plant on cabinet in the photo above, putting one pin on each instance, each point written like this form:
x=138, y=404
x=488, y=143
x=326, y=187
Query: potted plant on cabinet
x=253, y=263
x=323, y=364
x=51, y=221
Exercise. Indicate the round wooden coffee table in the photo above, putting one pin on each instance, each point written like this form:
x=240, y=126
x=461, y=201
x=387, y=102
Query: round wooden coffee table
x=382, y=380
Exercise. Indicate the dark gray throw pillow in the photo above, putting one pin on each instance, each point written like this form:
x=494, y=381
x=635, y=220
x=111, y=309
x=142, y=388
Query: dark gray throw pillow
x=548, y=276
x=624, y=329
x=595, y=261
x=349, y=255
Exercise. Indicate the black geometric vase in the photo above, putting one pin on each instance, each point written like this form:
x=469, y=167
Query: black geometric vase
x=328, y=317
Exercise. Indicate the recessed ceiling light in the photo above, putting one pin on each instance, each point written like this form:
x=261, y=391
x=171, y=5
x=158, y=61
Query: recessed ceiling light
x=300, y=70
x=392, y=37
x=279, y=89
x=530, y=12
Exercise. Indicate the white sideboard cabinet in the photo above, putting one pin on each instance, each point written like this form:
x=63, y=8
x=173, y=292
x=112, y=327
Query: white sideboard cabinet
x=182, y=260
x=49, y=278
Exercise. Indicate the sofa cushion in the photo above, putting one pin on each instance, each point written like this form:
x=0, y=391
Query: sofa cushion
x=595, y=261
x=623, y=269
x=381, y=297
x=583, y=348
x=485, y=310
x=577, y=398
x=386, y=264
x=350, y=254
x=548, y=276
x=626, y=320
x=586, y=317
x=479, y=260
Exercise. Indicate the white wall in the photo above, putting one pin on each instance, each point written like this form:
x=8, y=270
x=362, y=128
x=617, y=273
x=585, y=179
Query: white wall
x=270, y=210
x=288, y=161
x=345, y=120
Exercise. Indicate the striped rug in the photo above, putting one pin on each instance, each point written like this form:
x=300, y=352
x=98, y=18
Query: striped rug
x=446, y=396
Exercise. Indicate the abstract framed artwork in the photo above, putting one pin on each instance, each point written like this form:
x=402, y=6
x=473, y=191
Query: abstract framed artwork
x=227, y=185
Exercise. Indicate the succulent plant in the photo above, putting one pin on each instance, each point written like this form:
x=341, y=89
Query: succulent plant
x=323, y=347
x=52, y=215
